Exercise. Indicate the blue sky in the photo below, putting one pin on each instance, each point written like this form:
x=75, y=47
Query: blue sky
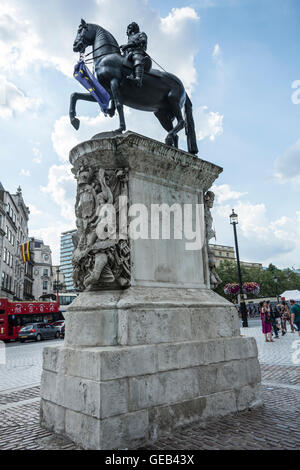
x=237, y=58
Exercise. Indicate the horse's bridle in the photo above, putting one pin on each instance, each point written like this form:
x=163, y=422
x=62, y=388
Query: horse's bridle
x=102, y=45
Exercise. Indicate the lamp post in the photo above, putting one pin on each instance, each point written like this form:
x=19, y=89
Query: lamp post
x=234, y=221
x=57, y=285
x=276, y=286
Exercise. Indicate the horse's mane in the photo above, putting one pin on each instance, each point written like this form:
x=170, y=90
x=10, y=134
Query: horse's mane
x=102, y=35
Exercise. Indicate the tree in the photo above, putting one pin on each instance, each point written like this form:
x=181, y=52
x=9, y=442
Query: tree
x=287, y=279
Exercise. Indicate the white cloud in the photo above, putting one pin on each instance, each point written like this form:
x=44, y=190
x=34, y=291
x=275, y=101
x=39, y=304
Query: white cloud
x=37, y=153
x=218, y=56
x=63, y=137
x=261, y=239
x=287, y=166
x=24, y=172
x=13, y=100
x=224, y=193
x=27, y=34
x=176, y=19
x=61, y=187
x=209, y=124
x=34, y=210
x=216, y=51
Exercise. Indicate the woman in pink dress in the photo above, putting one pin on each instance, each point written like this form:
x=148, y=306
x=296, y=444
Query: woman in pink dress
x=266, y=321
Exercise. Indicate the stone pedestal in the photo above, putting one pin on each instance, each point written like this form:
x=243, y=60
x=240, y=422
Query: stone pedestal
x=158, y=351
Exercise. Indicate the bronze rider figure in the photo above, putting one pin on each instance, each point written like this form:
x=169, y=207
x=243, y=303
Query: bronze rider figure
x=135, y=51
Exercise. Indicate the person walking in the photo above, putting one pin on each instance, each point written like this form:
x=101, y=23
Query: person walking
x=266, y=321
x=284, y=316
x=295, y=315
x=272, y=312
x=277, y=309
x=289, y=319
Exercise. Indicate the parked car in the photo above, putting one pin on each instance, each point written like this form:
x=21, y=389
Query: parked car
x=37, y=332
x=59, y=324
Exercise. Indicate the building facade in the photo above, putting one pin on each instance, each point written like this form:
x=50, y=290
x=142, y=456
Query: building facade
x=226, y=253
x=42, y=271
x=14, y=232
x=28, y=275
x=2, y=230
x=66, y=252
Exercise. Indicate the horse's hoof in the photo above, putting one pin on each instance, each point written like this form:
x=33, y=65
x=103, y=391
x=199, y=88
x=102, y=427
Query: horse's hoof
x=119, y=130
x=75, y=123
x=169, y=141
x=111, y=112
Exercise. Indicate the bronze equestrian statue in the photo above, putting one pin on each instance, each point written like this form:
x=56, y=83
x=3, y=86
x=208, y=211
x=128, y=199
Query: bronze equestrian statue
x=130, y=81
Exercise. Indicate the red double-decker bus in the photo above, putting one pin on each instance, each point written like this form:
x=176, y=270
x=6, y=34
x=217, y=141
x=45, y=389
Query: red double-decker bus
x=14, y=315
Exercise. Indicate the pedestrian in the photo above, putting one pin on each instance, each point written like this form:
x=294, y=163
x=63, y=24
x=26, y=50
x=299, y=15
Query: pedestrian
x=278, y=317
x=289, y=319
x=295, y=315
x=266, y=321
x=284, y=316
x=272, y=312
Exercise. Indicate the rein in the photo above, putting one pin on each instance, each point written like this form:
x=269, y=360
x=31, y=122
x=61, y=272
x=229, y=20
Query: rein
x=91, y=59
x=102, y=45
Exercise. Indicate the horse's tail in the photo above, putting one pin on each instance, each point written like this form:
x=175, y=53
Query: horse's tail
x=190, y=127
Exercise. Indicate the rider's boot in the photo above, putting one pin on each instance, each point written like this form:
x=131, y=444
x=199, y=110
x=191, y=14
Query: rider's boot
x=137, y=75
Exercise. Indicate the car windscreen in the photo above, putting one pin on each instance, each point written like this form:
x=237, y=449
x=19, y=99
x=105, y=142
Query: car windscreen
x=27, y=327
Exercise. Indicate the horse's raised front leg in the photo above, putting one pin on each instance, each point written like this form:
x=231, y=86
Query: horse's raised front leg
x=111, y=108
x=116, y=94
x=73, y=100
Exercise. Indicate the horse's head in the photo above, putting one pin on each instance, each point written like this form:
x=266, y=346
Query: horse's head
x=84, y=38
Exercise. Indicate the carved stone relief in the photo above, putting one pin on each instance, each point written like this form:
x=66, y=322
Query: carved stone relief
x=208, y=205
x=101, y=257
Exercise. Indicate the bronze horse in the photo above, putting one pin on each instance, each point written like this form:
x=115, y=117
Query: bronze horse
x=162, y=93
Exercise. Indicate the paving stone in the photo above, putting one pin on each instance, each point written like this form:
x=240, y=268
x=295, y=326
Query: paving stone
x=275, y=426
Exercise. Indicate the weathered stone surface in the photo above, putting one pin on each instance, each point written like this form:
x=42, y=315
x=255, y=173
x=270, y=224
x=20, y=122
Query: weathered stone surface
x=126, y=320
x=164, y=418
x=142, y=360
x=146, y=156
x=124, y=431
x=249, y=397
x=83, y=429
x=52, y=416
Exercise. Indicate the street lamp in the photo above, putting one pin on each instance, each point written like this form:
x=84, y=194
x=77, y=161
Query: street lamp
x=276, y=285
x=57, y=285
x=234, y=221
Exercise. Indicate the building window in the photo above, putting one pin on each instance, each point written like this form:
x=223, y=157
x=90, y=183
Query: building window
x=45, y=285
x=45, y=272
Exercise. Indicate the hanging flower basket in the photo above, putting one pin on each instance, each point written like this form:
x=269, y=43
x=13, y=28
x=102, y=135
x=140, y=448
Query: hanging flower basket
x=251, y=288
x=248, y=288
x=232, y=289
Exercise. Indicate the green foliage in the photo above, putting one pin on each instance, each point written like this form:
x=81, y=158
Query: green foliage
x=287, y=279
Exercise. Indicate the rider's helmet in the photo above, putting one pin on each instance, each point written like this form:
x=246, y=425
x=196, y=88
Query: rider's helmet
x=133, y=27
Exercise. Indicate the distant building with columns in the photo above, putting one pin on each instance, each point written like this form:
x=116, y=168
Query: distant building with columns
x=226, y=253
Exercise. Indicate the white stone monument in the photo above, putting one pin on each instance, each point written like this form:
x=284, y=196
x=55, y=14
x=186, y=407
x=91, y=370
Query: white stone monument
x=149, y=346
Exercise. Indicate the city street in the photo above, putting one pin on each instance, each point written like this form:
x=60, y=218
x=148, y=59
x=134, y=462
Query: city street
x=23, y=364
x=265, y=428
